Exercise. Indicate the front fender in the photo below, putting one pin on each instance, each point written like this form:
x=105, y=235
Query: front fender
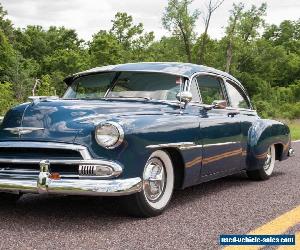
x=142, y=131
x=262, y=134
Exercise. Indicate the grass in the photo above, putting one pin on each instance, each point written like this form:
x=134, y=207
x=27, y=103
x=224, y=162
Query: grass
x=295, y=129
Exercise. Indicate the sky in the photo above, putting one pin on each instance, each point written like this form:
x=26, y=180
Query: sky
x=89, y=16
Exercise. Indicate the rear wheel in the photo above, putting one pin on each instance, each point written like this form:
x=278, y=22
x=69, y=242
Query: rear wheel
x=266, y=171
x=158, y=185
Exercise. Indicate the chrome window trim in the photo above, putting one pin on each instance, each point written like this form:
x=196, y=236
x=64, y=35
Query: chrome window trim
x=224, y=78
x=242, y=92
x=220, y=77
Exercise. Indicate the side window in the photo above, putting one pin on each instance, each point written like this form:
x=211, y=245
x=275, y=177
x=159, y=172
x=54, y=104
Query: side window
x=210, y=89
x=195, y=91
x=236, y=97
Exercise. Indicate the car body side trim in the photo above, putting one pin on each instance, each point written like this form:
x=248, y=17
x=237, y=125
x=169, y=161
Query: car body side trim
x=180, y=145
x=219, y=144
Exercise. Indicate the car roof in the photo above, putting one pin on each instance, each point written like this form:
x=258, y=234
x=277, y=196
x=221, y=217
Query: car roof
x=174, y=68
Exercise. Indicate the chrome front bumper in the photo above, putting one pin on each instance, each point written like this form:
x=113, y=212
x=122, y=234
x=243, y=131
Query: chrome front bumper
x=42, y=183
x=72, y=186
x=68, y=186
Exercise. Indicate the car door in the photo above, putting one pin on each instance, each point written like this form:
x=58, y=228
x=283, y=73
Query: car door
x=220, y=130
x=239, y=100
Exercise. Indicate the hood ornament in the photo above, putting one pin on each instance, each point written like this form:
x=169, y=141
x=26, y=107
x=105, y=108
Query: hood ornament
x=37, y=99
x=22, y=130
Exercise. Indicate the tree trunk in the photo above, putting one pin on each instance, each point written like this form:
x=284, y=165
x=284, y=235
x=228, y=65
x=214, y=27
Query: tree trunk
x=186, y=44
x=228, y=56
x=204, y=40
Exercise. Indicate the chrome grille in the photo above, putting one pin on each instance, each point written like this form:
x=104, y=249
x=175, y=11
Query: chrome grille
x=38, y=153
x=87, y=170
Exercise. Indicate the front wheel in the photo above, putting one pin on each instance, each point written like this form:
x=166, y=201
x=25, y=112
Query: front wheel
x=158, y=185
x=266, y=171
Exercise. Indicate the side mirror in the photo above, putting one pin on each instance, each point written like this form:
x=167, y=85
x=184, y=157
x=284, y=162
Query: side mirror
x=219, y=104
x=184, y=96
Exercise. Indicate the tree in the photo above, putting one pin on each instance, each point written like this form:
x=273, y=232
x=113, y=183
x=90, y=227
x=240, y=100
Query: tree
x=45, y=87
x=124, y=30
x=105, y=49
x=32, y=43
x=267, y=63
x=179, y=20
x=167, y=49
x=6, y=97
x=132, y=38
x=234, y=18
x=6, y=25
x=7, y=55
x=251, y=21
x=287, y=34
x=210, y=9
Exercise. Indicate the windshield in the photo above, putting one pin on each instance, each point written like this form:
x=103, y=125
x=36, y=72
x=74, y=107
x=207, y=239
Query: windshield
x=125, y=85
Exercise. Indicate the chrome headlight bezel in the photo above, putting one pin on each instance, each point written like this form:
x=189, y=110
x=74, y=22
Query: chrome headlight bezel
x=115, y=128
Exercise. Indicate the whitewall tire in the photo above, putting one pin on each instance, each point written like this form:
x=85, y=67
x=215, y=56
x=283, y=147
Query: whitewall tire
x=267, y=169
x=158, y=185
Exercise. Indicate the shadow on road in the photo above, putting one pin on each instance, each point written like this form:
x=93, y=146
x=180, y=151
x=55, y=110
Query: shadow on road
x=75, y=209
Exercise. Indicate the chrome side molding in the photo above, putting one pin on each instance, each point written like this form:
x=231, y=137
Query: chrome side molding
x=179, y=145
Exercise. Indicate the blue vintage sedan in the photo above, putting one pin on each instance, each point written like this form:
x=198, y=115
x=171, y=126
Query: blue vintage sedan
x=138, y=131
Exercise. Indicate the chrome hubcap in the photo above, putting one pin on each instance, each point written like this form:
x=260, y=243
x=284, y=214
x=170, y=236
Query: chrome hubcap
x=268, y=160
x=154, y=179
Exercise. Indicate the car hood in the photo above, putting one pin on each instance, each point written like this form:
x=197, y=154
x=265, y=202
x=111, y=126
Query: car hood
x=62, y=120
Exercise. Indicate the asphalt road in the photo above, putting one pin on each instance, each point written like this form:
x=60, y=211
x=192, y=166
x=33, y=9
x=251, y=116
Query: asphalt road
x=194, y=220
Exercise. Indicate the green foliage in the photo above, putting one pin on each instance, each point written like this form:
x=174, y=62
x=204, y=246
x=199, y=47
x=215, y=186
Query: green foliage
x=7, y=55
x=105, y=49
x=167, y=49
x=264, y=57
x=6, y=25
x=6, y=97
x=179, y=20
x=46, y=87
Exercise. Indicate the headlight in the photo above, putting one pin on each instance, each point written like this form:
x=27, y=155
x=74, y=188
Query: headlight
x=109, y=135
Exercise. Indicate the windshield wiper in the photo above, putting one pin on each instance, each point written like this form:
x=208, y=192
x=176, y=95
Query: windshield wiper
x=130, y=97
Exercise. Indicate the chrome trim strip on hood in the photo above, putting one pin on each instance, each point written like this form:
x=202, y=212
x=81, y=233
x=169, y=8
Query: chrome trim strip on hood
x=22, y=130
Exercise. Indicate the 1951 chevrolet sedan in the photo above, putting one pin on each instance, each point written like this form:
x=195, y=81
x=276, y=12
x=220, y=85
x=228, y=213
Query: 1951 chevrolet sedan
x=138, y=131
